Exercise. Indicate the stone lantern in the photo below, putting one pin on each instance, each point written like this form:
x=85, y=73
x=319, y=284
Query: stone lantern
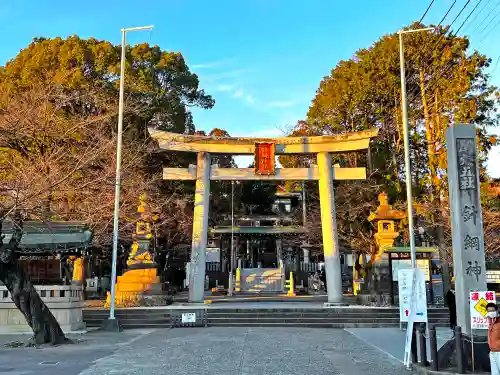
x=387, y=222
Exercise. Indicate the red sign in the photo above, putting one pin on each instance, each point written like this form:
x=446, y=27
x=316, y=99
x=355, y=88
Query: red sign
x=264, y=159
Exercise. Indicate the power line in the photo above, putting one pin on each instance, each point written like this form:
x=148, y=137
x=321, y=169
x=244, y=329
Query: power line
x=489, y=23
x=494, y=26
x=448, y=12
x=459, y=13
x=477, y=14
x=490, y=12
x=470, y=14
x=426, y=11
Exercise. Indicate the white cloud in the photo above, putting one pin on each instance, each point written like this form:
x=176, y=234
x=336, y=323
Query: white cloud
x=230, y=74
x=281, y=104
x=250, y=99
x=224, y=88
x=212, y=64
x=238, y=93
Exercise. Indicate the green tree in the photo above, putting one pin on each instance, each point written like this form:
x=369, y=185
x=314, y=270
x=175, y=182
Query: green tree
x=446, y=82
x=160, y=81
x=58, y=116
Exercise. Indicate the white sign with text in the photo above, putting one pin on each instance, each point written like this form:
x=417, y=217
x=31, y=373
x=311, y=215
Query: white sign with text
x=405, y=283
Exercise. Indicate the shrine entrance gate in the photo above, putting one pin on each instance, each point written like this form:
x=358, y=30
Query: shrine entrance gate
x=264, y=150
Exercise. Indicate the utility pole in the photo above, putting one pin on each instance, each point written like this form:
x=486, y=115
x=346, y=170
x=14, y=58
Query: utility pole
x=231, y=263
x=111, y=322
x=304, y=213
x=404, y=107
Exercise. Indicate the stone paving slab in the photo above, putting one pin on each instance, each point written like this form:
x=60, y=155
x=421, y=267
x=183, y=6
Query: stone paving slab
x=65, y=359
x=204, y=351
x=247, y=351
x=391, y=340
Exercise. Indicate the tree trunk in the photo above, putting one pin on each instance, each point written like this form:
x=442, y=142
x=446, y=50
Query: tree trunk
x=429, y=133
x=45, y=327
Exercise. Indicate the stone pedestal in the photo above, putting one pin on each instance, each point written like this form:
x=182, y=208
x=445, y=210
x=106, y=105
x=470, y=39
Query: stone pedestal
x=134, y=283
x=64, y=301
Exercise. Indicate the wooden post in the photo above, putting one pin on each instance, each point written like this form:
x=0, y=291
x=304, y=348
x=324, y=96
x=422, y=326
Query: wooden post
x=200, y=228
x=329, y=228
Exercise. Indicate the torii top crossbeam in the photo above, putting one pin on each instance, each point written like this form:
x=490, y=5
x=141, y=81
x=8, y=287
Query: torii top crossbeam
x=282, y=145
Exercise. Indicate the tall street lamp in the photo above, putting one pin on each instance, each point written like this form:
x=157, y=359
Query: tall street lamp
x=404, y=108
x=111, y=322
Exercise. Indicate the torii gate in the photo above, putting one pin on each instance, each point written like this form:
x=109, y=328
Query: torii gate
x=264, y=150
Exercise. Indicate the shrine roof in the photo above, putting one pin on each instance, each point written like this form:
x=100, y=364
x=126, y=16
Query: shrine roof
x=245, y=145
x=41, y=236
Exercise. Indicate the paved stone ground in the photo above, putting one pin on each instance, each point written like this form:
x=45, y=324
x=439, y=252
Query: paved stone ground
x=393, y=342
x=65, y=359
x=206, y=351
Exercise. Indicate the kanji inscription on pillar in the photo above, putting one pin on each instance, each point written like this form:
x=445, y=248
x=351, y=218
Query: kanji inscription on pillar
x=466, y=152
x=466, y=218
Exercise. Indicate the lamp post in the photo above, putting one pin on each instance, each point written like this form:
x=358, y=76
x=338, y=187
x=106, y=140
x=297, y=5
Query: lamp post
x=404, y=108
x=112, y=319
x=231, y=256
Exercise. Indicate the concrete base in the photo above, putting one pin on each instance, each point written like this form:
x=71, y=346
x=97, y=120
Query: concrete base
x=111, y=325
x=64, y=301
x=133, y=284
x=447, y=355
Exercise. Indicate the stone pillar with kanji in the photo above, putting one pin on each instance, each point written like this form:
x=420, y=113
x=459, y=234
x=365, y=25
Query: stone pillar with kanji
x=466, y=218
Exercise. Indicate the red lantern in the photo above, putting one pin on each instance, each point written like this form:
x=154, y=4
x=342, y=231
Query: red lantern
x=264, y=159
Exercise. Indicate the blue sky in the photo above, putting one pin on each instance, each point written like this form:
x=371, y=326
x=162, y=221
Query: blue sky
x=262, y=60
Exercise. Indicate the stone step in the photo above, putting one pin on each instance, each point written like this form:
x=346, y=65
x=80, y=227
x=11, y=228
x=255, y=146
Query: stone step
x=300, y=320
x=312, y=315
x=327, y=318
x=310, y=325
x=152, y=314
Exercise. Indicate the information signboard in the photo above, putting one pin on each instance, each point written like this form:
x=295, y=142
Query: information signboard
x=417, y=310
x=212, y=255
x=406, y=291
x=477, y=304
x=188, y=318
x=400, y=264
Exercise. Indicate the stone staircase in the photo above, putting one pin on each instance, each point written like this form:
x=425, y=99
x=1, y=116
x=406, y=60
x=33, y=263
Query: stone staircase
x=358, y=316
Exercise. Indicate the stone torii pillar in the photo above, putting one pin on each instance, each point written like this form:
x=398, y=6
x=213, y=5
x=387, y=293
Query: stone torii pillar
x=200, y=228
x=329, y=228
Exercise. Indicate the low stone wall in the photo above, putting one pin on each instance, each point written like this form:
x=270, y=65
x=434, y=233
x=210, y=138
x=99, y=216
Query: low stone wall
x=64, y=301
